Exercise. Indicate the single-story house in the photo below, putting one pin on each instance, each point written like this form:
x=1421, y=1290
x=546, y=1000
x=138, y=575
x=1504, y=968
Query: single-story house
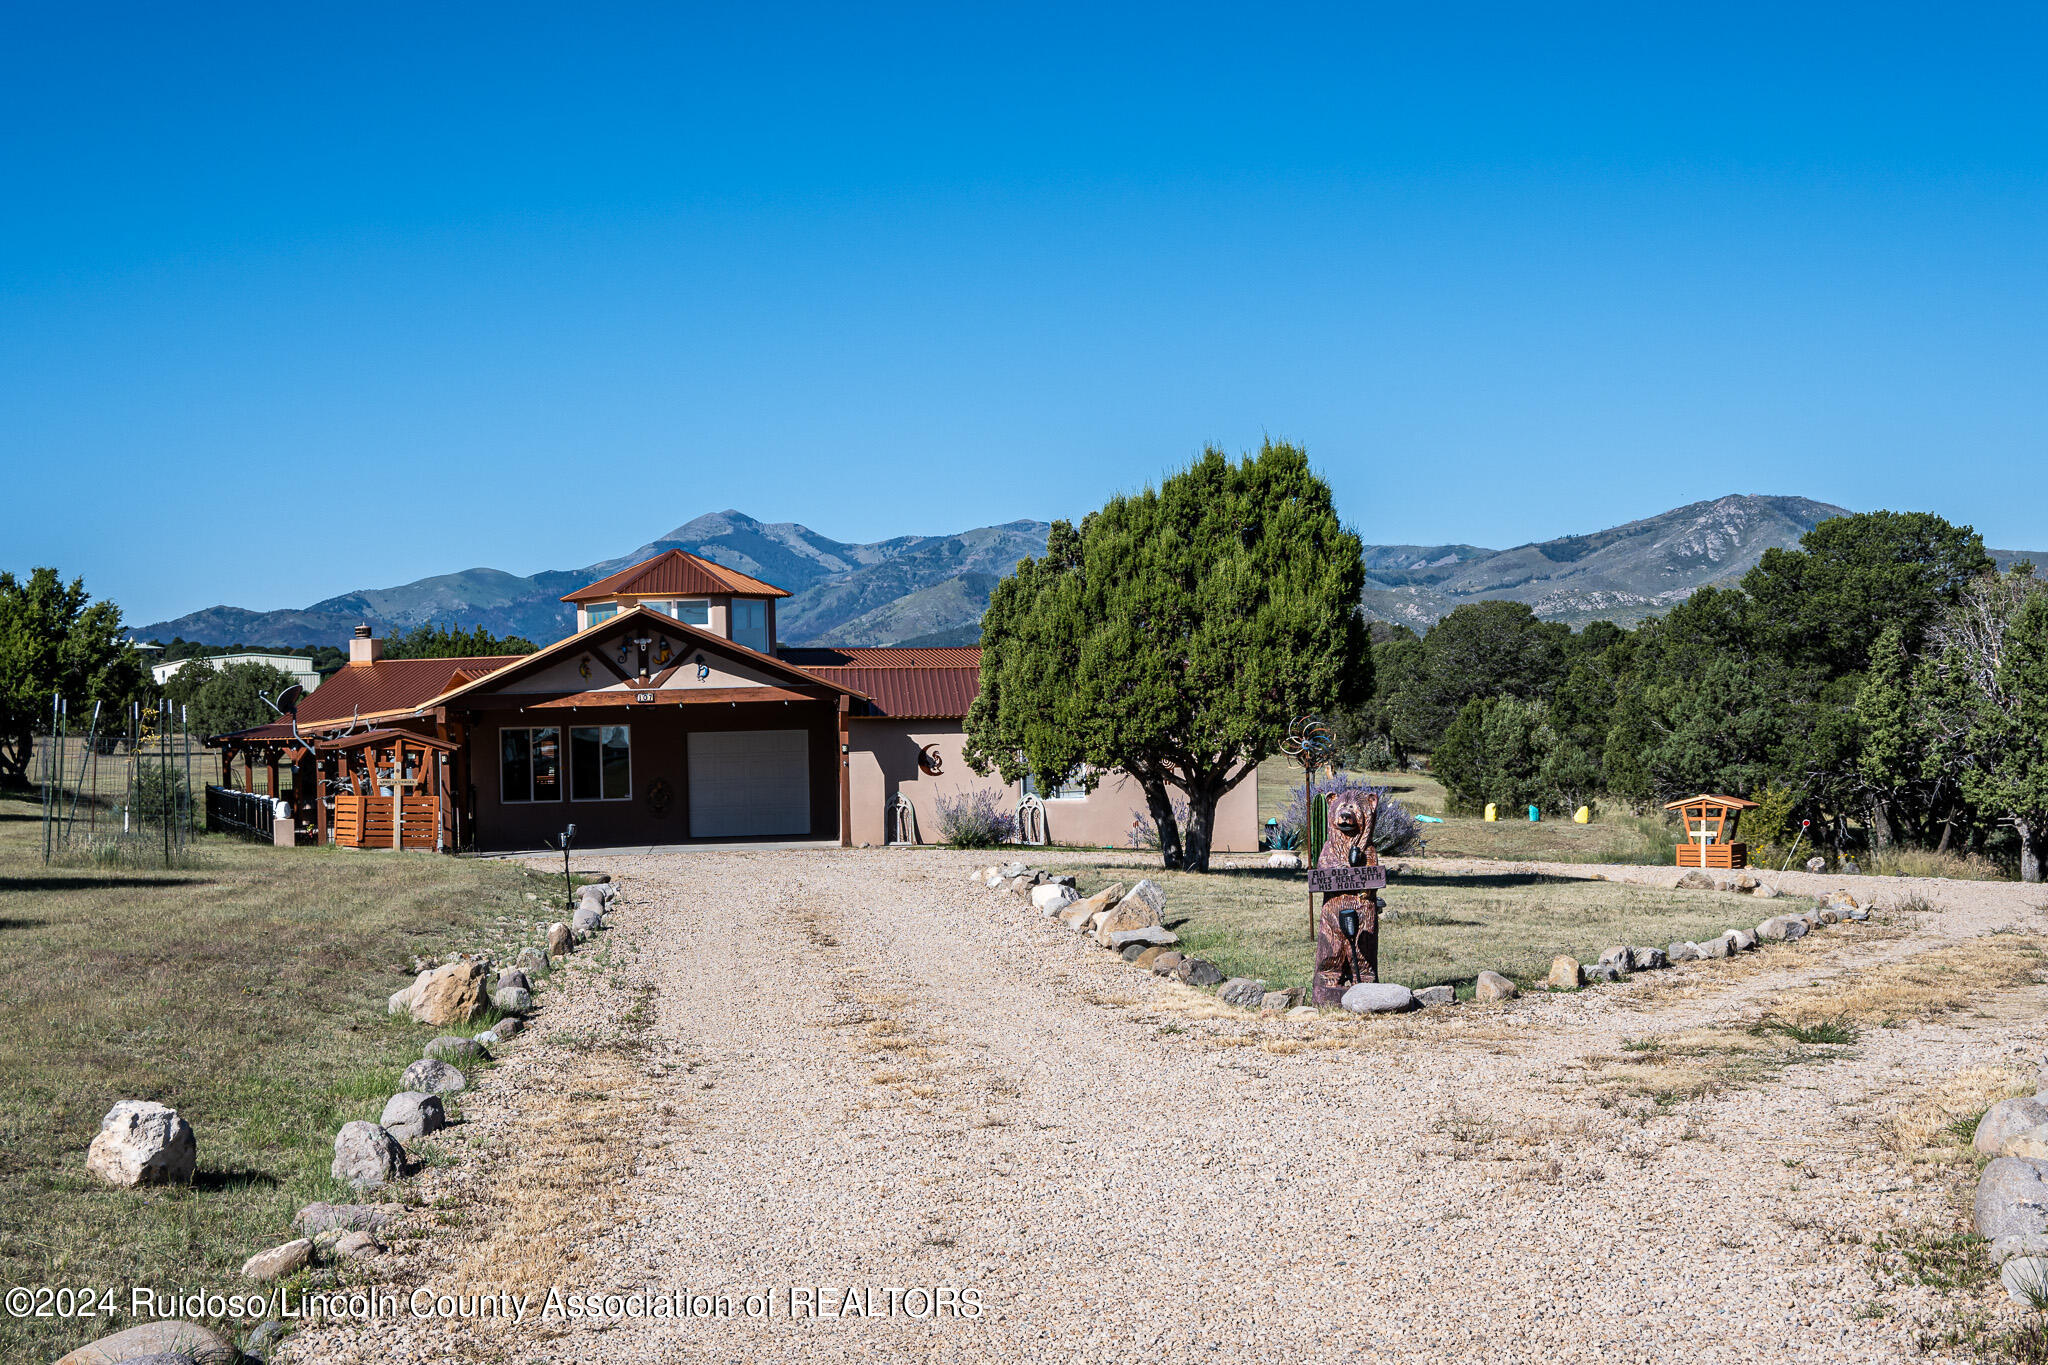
x=672, y=715
x=298, y=666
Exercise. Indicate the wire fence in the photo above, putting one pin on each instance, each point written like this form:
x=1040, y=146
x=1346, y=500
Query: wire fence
x=117, y=783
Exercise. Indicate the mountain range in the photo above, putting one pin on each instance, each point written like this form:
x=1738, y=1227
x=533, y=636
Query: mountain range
x=931, y=590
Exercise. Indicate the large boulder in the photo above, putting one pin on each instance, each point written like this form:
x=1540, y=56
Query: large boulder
x=1741, y=940
x=2007, y=1120
x=412, y=1114
x=279, y=1262
x=433, y=1076
x=453, y=994
x=2012, y=1198
x=1682, y=951
x=1647, y=960
x=1076, y=916
x=1378, y=997
x=512, y=1000
x=1132, y=912
x=365, y=1156
x=1565, y=974
x=141, y=1142
x=1147, y=891
x=1618, y=957
x=1198, y=971
x=1493, y=986
x=1242, y=991
x=169, y=1339
x=1716, y=947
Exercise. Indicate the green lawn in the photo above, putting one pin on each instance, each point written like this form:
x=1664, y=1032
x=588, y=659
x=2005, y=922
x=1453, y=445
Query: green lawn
x=1444, y=928
x=1611, y=837
x=247, y=992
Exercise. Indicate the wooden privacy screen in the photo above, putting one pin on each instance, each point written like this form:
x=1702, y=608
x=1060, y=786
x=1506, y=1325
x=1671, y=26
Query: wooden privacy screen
x=365, y=821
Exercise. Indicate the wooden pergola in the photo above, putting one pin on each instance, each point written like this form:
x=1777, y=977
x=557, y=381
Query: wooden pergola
x=394, y=790
x=1710, y=831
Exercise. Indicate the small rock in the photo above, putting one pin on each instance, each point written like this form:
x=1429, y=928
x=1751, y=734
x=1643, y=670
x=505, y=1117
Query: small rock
x=1565, y=974
x=1131, y=952
x=512, y=1000
x=355, y=1246
x=1242, y=991
x=1279, y=1002
x=1147, y=892
x=1617, y=957
x=1696, y=880
x=412, y=1114
x=1166, y=963
x=278, y=1262
x=2012, y=1198
x=1765, y=891
x=1681, y=951
x=1859, y=914
x=1816, y=865
x=532, y=961
x=1284, y=859
x=2026, y=1280
x=1152, y=935
x=1716, y=947
x=1647, y=960
x=1741, y=940
x=432, y=1076
x=1603, y=971
x=1779, y=928
x=1378, y=997
x=2005, y=1121
x=1146, y=956
x=1052, y=898
x=365, y=1156
x=315, y=1219
x=588, y=919
x=450, y=1048
x=141, y=1142
x=508, y=1027
x=172, y=1338
x=1198, y=971
x=1491, y=985
x=1131, y=912
x=1066, y=879
x=561, y=938
x=1743, y=882
x=1304, y=1012
x=1013, y=868
x=1430, y=997
x=513, y=976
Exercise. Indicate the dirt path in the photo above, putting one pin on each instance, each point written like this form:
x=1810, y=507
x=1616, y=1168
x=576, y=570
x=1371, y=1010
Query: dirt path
x=859, y=1071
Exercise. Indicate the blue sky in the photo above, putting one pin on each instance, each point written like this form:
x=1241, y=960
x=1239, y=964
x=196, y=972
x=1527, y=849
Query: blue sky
x=294, y=301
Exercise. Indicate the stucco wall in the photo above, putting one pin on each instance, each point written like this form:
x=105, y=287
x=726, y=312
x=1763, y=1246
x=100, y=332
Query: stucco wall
x=884, y=761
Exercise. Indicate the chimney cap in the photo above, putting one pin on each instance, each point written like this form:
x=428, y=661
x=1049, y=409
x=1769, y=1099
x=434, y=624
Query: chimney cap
x=363, y=631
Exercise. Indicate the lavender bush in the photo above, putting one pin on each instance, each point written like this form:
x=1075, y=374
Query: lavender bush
x=1394, y=830
x=1145, y=831
x=975, y=819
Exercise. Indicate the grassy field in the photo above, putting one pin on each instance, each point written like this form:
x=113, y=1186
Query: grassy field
x=1444, y=929
x=1609, y=838
x=247, y=992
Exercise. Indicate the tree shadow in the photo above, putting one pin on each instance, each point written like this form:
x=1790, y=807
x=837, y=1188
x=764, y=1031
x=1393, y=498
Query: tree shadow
x=1415, y=876
x=89, y=883
x=8, y=922
x=216, y=1182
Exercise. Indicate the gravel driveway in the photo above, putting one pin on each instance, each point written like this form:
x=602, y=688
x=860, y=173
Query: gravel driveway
x=854, y=1069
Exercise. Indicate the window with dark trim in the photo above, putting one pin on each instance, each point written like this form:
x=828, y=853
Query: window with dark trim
x=530, y=764
x=601, y=763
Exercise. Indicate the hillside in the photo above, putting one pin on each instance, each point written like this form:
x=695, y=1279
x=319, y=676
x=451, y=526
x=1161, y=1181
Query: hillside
x=933, y=589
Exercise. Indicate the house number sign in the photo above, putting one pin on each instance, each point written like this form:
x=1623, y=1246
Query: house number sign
x=643, y=696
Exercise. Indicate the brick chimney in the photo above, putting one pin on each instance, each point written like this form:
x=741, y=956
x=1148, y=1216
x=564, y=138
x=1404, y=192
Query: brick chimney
x=365, y=648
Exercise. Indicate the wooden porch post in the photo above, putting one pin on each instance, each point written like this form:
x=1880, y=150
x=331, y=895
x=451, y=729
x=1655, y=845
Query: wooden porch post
x=845, y=775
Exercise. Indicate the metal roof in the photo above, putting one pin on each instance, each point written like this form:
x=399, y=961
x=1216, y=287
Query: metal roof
x=888, y=656
x=675, y=573
x=390, y=685
x=909, y=693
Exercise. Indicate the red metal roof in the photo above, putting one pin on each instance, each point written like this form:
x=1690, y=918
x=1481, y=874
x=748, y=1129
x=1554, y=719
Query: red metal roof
x=888, y=656
x=676, y=573
x=390, y=685
x=910, y=693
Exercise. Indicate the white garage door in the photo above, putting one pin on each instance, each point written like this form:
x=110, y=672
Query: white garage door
x=749, y=782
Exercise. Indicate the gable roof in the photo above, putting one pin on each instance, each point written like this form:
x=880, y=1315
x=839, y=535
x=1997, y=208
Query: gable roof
x=901, y=684
x=621, y=624
x=390, y=685
x=675, y=573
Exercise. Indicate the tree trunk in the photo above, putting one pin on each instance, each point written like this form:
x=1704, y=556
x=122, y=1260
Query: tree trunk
x=2031, y=841
x=1201, y=831
x=1160, y=805
x=1881, y=832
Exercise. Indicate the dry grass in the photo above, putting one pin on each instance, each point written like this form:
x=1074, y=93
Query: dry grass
x=247, y=992
x=1923, y=985
x=1924, y=862
x=1946, y=1104
x=1444, y=927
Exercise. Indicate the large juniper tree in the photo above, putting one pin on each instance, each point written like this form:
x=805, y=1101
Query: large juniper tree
x=1172, y=636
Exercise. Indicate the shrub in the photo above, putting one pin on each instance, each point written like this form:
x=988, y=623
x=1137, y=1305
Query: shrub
x=974, y=819
x=1394, y=830
x=1145, y=832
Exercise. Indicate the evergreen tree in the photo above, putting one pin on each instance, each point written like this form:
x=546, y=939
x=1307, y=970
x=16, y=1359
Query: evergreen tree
x=433, y=641
x=1173, y=636
x=55, y=641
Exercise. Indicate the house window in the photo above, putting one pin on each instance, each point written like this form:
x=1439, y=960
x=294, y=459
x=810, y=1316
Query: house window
x=750, y=623
x=691, y=612
x=1069, y=790
x=530, y=764
x=600, y=763
x=599, y=611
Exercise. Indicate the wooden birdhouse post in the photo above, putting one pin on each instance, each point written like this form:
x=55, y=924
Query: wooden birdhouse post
x=1710, y=831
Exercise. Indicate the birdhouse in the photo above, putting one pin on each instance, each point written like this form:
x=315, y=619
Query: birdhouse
x=1710, y=831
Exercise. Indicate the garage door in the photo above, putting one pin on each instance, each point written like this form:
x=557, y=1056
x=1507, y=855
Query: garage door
x=749, y=782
